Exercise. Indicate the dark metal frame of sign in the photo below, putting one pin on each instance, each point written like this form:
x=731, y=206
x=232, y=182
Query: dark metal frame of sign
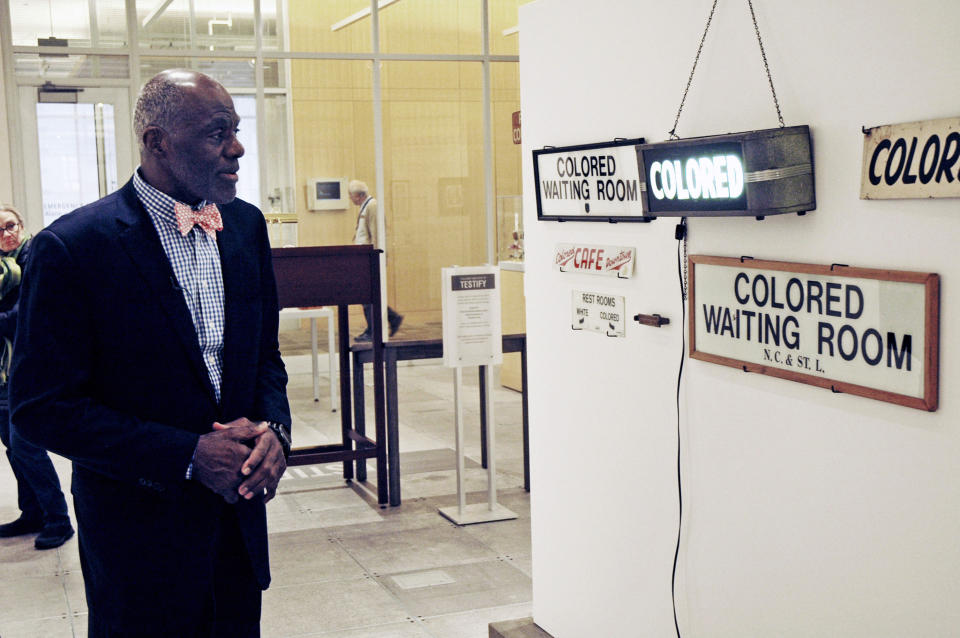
x=586, y=216
x=931, y=327
x=751, y=174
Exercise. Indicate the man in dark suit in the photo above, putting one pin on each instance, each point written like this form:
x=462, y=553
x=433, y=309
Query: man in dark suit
x=147, y=354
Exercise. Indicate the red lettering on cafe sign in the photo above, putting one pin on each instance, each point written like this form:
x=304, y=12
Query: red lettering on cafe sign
x=598, y=260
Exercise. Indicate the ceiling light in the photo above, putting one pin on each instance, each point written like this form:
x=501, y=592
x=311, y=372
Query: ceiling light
x=359, y=15
x=153, y=15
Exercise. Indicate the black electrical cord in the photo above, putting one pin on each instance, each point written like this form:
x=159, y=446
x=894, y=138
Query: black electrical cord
x=681, y=235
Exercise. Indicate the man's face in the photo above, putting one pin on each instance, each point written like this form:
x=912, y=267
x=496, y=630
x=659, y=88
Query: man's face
x=357, y=198
x=203, y=150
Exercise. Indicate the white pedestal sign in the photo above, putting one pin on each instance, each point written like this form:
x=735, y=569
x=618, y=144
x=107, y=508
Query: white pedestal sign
x=471, y=316
x=472, y=336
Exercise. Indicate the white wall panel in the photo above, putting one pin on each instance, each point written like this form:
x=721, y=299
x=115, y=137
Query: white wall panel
x=806, y=513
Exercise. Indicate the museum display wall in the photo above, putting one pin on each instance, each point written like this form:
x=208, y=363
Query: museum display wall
x=805, y=512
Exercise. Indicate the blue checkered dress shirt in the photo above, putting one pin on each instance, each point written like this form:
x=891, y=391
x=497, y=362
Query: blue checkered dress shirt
x=195, y=258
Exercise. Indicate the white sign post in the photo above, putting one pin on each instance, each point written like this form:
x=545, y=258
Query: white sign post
x=472, y=336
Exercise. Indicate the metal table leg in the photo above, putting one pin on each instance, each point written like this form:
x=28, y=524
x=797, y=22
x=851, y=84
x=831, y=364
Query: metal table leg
x=483, y=417
x=393, y=426
x=359, y=415
x=526, y=423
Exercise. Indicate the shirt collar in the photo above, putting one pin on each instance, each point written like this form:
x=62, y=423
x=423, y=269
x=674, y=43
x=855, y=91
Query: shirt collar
x=158, y=204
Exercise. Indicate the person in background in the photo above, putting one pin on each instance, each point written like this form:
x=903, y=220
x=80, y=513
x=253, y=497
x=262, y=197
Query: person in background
x=43, y=508
x=366, y=233
x=147, y=354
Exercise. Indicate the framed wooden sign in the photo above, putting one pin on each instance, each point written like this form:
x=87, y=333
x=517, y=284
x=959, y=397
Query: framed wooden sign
x=869, y=332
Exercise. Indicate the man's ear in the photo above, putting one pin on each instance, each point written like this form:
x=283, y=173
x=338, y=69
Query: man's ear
x=153, y=141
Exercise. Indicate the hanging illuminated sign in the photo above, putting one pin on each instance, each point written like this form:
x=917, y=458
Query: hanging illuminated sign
x=756, y=173
x=913, y=160
x=707, y=176
x=873, y=333
x=590, y=182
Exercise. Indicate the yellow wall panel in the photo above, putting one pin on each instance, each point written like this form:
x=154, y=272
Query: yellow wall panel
x=433, y=195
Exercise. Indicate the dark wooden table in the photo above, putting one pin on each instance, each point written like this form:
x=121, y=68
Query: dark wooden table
x=340, y=276
x=426, y=349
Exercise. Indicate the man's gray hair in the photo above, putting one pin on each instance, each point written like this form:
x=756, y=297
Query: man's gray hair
x=356, y=187
x=159, y=104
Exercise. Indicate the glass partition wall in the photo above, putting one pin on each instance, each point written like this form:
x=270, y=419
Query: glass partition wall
x=413, y=97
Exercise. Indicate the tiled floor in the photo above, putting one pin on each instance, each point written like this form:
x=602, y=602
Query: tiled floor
x=342, y=566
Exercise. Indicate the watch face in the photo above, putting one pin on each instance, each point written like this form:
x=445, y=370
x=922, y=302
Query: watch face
x=281, y=431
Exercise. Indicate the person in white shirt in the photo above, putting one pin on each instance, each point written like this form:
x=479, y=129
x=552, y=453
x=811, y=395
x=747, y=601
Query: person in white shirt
x=366, y=233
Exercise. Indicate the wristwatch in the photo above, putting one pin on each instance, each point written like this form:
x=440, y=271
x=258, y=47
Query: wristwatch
x=283, y=435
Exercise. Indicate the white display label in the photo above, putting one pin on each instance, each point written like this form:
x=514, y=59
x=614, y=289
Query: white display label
x=472, y=334
x=615, y=261
x=598, y=312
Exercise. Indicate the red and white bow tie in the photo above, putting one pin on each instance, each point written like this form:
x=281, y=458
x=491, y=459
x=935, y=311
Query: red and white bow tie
x=208, y=218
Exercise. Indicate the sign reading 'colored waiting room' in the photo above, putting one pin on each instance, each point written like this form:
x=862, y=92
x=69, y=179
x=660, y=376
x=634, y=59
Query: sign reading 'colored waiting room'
x=874, y=333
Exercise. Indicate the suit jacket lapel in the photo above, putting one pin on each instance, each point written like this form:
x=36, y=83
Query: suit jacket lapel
x=139, y=239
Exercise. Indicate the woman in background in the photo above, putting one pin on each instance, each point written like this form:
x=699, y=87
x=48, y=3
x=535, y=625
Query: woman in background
x=43, y=508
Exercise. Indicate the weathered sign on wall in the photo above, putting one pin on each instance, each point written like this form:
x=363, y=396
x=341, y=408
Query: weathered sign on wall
x=912, y=160
x=614, y=261
x=598, y=312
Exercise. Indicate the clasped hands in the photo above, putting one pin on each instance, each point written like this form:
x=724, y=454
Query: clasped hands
x=225, y=462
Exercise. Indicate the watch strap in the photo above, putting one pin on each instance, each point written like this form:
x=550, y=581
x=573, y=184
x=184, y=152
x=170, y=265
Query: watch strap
x=283, y=435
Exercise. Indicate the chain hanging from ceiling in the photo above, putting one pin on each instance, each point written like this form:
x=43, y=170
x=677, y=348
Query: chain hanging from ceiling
x=696, y=59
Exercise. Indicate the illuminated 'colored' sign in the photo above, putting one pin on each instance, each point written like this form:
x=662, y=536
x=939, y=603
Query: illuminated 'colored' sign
x=756, y=173
x=708, y=177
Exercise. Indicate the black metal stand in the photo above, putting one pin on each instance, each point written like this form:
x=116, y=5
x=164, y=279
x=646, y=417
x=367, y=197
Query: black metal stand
x=429, y=349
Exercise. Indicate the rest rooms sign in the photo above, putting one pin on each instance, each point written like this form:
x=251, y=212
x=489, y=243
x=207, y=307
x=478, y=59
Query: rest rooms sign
x=868, y=332
x=598, y=312
x=918, y=159
x=472, y=334
x=592, y=182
